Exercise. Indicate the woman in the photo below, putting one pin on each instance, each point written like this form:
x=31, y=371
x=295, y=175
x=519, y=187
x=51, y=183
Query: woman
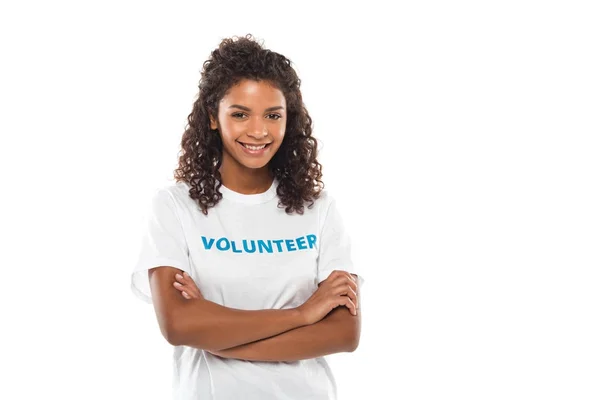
x=245, y=256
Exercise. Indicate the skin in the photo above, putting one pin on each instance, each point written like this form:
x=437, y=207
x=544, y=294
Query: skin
x=309, y=341
x=260, y=119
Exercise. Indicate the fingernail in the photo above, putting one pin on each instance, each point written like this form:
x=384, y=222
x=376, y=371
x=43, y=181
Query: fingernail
x=179, y=276
x=177, y=284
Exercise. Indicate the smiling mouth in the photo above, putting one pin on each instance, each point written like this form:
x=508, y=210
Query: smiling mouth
x=255, y=147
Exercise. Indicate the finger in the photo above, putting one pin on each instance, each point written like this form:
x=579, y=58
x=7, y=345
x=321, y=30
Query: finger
x=356, y=279
x=189, y=295
x=190, y=291
x=338, y=273
x=344, y=289
x=351, y=306
x=354, y=282
x=348, y=291
x=344, y=280
x=347, y=277
x=185, y=279
x=187, y=282
x=188, y=278
x=353, y=296
x=193, y=291
x=347, y=302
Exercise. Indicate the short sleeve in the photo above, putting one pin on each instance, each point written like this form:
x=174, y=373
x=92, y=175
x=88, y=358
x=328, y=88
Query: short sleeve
x=162, y=244
x=335, y=247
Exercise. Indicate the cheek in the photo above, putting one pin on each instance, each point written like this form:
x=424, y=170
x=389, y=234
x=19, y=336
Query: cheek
x=229, y=131
x=279, y=132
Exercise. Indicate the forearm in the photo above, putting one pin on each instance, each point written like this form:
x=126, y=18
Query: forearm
x=325, y=337
x=207, y=325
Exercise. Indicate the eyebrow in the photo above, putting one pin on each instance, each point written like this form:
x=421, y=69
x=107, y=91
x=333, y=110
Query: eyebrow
x=248, y=109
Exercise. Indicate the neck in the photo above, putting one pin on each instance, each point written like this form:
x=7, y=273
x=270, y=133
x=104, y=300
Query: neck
x=246, y=180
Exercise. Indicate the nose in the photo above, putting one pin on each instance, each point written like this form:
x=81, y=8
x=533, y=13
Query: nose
x=258, y=128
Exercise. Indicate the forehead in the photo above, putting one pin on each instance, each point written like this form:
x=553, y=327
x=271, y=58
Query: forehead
x=254, y=94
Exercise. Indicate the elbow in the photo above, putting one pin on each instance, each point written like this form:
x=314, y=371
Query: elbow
x=173, y=337
x=179, y=334
x=353, y=344
x=354, y=338
x=171, y=333
x=176, y=337
x=171, y=330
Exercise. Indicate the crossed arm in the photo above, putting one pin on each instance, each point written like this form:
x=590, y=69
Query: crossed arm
x=338, y=332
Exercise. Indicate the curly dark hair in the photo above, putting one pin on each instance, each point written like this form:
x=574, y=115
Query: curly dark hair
x=294, y=164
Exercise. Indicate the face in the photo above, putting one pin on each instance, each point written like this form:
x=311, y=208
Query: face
x=251, y=122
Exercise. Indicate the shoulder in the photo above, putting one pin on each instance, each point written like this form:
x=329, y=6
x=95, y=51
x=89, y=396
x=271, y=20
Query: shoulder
x=325, y=204
x=325, y=197
x=177, y=190
x=326, y=200
x=174, y=194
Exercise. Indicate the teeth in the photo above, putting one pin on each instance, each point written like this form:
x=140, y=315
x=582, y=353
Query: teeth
x=254, y=147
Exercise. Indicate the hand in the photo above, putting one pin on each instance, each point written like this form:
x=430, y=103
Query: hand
x=187, y=286
x=339, y=289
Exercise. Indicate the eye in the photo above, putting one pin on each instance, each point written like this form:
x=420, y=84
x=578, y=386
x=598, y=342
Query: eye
x=239, y=115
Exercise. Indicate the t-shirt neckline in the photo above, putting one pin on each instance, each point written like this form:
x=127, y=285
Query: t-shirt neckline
x=256, y=198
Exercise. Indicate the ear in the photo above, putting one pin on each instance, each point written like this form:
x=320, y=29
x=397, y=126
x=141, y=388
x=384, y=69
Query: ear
x=213, y=122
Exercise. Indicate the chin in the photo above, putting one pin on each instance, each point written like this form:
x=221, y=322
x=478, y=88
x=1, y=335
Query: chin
x=254, y=165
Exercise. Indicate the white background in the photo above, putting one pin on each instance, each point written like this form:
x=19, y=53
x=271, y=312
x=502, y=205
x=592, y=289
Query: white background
x=460, y=138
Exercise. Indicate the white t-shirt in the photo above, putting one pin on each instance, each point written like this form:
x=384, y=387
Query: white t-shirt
x=247, y=254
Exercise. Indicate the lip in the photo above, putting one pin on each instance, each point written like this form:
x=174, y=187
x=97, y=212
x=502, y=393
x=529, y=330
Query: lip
x=255, y=144
x=255, y=152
